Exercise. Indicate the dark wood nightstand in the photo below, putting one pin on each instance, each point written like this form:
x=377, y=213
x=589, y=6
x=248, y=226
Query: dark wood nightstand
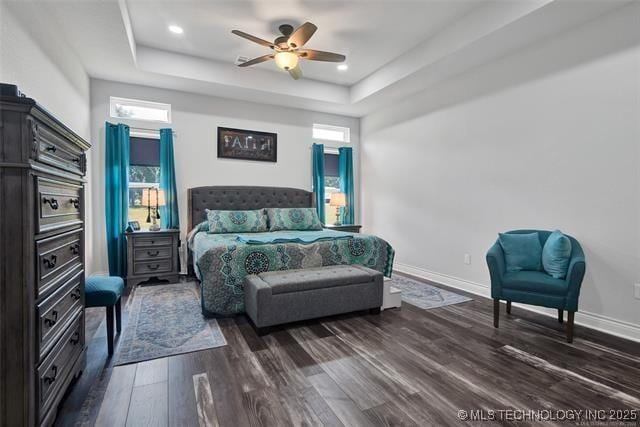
x=349, y=228
x=152, y=255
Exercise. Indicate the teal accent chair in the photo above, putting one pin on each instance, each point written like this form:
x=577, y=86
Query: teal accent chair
x=106, y=291
x=537, y=287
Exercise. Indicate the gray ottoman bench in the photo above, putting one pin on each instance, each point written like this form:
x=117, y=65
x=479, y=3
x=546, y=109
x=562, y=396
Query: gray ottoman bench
x=278, y=297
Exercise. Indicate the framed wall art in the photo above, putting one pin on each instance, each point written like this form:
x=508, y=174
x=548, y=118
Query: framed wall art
x=247, y=145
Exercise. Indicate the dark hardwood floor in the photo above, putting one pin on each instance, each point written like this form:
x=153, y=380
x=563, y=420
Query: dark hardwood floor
x=403, y=367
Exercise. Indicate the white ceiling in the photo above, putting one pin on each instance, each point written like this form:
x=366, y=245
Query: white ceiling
x=370, y=34
x=394, y=48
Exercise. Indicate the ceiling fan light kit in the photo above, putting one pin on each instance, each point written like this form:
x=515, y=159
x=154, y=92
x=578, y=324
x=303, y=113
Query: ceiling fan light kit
x=287, y=48
x=286, y=60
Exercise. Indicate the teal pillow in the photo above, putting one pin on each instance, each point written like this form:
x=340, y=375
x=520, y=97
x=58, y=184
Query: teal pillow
x=236, y=221
x=556, y=255
x=521, y=251
x=293, y=219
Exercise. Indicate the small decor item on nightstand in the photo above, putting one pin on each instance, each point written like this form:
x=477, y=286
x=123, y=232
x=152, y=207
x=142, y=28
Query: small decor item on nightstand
x=153, y=198
x=338, y=200
x=133, y=226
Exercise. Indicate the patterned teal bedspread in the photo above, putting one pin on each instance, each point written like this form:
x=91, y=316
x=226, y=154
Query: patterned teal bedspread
x=292, y=236
x=221, y=262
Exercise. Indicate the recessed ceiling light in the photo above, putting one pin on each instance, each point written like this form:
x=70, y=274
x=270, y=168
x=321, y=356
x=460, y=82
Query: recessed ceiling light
x=343, y=67
x=175, y=29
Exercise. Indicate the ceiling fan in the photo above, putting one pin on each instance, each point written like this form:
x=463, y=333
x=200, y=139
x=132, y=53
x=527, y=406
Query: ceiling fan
x=288, y=50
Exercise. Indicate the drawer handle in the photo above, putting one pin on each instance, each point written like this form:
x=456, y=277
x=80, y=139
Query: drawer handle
x=49, y=380
x=53, y=203
x=76, y=160
x=156, y=253
x=49, y=322
x=153, y=268
x=75, y=203
x=75, y=249
x=52, y=148
x=50, y=262
x=76, y=294
x=75, y=339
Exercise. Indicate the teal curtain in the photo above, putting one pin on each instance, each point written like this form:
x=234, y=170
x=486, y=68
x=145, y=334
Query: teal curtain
x=169, y=212
x=345, y=167
x=116, y=195
x=318, y=179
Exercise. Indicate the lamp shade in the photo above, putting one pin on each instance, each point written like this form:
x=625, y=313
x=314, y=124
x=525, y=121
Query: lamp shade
x=153, y=197
x=338, y=199
x=286, y=60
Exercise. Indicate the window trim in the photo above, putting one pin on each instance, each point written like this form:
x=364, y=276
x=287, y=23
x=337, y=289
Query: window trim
x=346, y=132
x=114, y=101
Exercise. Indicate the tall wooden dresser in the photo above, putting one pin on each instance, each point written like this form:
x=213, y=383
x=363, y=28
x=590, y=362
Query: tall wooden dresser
x=42, y=342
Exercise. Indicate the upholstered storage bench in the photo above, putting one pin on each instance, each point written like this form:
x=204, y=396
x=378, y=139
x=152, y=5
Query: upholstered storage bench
x=277, y=297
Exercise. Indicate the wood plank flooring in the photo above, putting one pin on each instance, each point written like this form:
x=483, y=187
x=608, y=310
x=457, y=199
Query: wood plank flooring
x=402, y=367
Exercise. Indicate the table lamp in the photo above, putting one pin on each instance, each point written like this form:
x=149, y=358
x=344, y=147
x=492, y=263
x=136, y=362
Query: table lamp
x=153, y=198
x=338, y=200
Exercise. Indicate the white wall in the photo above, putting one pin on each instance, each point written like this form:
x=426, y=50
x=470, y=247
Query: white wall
x=548, y=138
x=195, y=121
x=46, y=69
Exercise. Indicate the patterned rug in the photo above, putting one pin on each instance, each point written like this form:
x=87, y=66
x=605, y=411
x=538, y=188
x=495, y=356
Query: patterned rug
x=165, y=320
x=423, y=295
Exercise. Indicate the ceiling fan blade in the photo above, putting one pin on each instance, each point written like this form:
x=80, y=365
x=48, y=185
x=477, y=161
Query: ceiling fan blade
x=318, y=55
x=257, y=60
x=296, y=72
x=301, y=35
x=253, y=38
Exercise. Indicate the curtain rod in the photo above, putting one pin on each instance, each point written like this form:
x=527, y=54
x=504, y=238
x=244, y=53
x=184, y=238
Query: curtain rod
x=138, y=129
x=329, y=148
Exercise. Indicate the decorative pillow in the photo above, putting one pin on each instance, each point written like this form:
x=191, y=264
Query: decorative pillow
x=521, y=251
x=556, y=255
x=236, y=221
x=293, y=219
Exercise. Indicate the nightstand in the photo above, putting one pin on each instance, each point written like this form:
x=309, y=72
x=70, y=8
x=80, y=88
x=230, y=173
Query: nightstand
x=349, y=228
x=152, y=255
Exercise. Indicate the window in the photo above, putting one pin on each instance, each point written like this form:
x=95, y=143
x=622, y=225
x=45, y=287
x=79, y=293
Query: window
x=144, y=172
x=331, y=185
x=331, y=133
x=123, y=108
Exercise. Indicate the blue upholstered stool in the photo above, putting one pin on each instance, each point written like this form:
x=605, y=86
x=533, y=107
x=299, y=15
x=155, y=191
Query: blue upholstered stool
x=105, y=291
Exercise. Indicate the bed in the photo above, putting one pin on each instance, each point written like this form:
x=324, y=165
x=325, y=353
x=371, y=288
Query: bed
x=222, y=261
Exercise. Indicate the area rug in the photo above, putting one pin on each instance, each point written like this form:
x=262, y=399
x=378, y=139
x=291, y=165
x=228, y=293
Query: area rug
x=424, y=295
x=165, y=320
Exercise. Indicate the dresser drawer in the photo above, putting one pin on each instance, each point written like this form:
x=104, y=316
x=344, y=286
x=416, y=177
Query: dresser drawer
x=54, y=313
x=152, y=241
x=152, y=253
x=54, y=150
x=151, y=267
x=59, y=204
x=57, y=256
x=56, y=367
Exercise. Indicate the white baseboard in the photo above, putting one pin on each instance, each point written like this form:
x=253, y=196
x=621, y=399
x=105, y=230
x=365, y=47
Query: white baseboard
x=595, y=321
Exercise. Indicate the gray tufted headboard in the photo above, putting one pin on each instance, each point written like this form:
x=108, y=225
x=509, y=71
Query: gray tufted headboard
x=234, y=198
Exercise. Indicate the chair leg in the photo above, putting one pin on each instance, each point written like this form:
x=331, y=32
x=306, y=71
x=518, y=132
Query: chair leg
x=118, y=316
x=508, y=307
x=496, y=312
x=570, y=315
x=109, y=310
x=560, y=315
